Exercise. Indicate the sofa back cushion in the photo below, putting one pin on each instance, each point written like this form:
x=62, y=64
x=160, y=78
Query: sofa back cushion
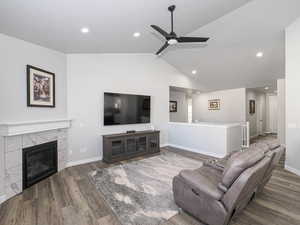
x=278, y=154
x=260, y=147
x=241, y=191
x=237, y=164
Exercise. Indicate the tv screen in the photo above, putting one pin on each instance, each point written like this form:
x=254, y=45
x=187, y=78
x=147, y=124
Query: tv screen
x=122, y=109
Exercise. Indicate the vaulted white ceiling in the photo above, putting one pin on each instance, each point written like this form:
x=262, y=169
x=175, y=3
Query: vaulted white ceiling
x=56, y=23
x=238, y=29
x=229, y=59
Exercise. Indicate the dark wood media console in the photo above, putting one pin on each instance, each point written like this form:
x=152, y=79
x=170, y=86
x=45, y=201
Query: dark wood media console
x=117, y=147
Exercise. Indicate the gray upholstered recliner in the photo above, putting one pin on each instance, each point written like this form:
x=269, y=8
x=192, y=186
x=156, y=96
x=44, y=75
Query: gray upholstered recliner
x=275, y=156
x=271, y=149
x=214, y=196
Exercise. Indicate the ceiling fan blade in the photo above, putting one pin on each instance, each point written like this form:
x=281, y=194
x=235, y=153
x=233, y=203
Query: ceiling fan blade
x=192, y=39
x=162, y=48
x=159, y=30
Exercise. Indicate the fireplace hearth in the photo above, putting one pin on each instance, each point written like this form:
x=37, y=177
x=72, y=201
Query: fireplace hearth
x=39, y=162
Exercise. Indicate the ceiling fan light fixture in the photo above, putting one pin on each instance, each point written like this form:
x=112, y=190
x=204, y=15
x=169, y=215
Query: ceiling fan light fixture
x=172, y=38
x=172, y=42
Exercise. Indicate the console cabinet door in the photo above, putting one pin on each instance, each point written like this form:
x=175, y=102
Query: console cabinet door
x=131, y=145
x=141, y=143
x=117, y=147
x=153, y=143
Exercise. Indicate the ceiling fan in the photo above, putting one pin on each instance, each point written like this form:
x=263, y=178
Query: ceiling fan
x=172, y=38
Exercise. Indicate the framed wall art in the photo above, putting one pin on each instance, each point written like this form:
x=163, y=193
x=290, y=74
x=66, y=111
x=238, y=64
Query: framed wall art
x=252, y=106
x=173, y=106
x=40, y=87
x=214, y=104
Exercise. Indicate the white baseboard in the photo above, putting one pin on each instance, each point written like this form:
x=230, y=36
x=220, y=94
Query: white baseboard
x=83, y=161
x=197, y=151
x=292, y=170
x=164, y=145
x=2, y=198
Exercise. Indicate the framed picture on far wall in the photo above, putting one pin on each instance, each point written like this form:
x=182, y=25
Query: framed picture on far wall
x=214, y=104
x=252, y=106
x=40, y=87
x=173, y=106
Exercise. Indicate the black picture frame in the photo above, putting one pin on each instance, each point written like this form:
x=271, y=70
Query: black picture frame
x=214, y=104
x=173, y=106
x=252, y=106
x=31, y=101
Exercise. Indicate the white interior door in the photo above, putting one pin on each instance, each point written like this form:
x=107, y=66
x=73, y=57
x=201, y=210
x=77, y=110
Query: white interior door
x=273, y=108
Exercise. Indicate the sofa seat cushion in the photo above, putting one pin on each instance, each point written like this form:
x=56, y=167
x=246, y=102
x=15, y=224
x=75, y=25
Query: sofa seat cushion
x=237, y=164
x=204, y=180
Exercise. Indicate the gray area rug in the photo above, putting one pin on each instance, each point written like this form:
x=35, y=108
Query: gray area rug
x=140, y=192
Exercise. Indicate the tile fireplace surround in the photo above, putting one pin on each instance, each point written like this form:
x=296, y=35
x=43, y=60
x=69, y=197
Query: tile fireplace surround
x=16, y=136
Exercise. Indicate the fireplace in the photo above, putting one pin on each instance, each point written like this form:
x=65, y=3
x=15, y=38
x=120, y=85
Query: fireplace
x=39, y=162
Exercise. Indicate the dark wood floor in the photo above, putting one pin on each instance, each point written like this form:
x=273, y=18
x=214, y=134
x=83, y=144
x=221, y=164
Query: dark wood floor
x=69, y=198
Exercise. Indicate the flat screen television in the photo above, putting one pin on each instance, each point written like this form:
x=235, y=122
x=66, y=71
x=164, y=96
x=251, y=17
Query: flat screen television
x=120, y=109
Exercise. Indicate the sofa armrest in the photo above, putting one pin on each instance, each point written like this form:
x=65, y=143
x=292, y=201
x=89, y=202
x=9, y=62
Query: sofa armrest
x=201, y=184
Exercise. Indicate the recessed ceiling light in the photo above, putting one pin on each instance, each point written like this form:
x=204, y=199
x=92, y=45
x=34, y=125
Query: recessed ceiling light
x=85, y=30
x=136, y=34
x=259, y=54
x=267, y=88
x=194, y=72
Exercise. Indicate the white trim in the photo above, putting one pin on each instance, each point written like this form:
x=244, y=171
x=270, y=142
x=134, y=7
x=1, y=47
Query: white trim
x=83, y=161
x=206, y=124
x=164, y=145
x=197, y=151
x=2, y=198
x=292, y=170
x=19, y=128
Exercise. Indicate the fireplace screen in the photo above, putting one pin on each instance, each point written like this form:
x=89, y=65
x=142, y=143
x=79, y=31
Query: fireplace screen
x=39, y=162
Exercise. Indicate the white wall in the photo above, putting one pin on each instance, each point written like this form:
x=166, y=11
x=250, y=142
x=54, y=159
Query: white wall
x=2, y=197
x=201, y=137
x=292, y=96
x=232, y=106
x=14, y=56
x=182, y=106
x=281, y=110
x=89, y=75
x=272, y=112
